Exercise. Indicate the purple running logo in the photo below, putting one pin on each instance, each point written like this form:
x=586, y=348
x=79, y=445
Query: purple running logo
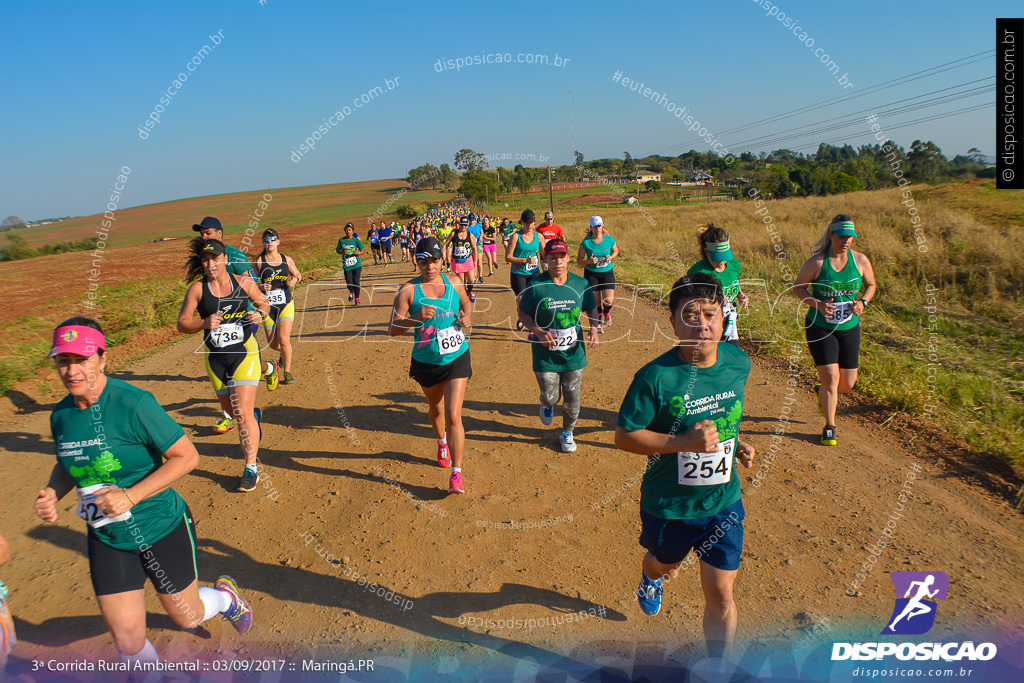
x=916, y=596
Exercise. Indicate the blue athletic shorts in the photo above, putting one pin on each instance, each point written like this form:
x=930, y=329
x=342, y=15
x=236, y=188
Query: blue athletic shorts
x=717, y=540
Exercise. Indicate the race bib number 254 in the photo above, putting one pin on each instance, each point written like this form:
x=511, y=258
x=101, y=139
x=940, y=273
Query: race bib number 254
x=707, y=469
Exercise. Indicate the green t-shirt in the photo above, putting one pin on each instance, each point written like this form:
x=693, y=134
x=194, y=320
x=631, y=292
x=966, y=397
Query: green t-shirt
x=239, y=264
x=524, y=249
x=730, y=277
x=592, y=249
x=559, y=307
x=349, y=247
x=669, y=396
x=120, y=440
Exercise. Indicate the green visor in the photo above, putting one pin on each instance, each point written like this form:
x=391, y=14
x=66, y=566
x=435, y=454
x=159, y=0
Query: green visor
x=843, y=229
x=718, y=251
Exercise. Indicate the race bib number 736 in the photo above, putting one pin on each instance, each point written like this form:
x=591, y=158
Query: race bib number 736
x=707, y=469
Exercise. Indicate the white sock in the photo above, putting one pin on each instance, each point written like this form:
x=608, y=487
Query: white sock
x=270, y=364
x=457, y=469
x=443, y=441
x=146, y=654
x=227, y=415
x=214, y=601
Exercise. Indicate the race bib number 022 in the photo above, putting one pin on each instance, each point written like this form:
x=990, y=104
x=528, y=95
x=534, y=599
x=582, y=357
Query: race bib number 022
x=707, y=469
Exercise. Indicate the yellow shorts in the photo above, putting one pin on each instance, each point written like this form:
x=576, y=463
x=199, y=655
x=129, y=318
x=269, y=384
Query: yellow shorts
x=286, y=312
x=234, y=368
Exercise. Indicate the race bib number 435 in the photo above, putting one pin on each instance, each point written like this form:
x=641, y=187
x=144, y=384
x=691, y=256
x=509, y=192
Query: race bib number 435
x=91, y=512
x=707, y=469
x=276, y=297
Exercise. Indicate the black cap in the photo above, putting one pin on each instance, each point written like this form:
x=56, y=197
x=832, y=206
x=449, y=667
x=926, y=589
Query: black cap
x=214, y=247
x=428, y=247
x=270, y=232
x=207, y=223
x=528, y=217
x=349, y=225
x=463, y=221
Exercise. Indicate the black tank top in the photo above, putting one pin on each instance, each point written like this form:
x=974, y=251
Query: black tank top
x=490, y=232
x=462, y=248
x=277, y=276
x=235, y=328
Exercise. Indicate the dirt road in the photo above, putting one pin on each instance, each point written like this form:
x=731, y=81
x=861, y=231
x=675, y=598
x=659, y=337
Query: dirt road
x=353, y=496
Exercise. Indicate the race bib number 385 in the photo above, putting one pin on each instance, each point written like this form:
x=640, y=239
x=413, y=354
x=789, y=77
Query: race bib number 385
x=842, y=312
x=707, y=469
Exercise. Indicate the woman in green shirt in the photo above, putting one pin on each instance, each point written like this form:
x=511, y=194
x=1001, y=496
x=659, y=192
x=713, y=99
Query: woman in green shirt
x=830, y=283
x=121, y=453
x=596, y=253
x=351, y=248
x=717, y=259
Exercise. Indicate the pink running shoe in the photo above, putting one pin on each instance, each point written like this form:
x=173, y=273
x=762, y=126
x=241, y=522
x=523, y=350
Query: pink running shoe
x=455, y=483
x=443, y=457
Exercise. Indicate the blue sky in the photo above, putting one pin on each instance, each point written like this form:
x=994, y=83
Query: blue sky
x=78, y=79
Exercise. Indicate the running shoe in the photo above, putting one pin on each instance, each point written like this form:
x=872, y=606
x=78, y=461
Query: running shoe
x=531, y=337
x=272, y=376
x=519, y=325
x=357, y=301
x=649, y=595
x=547, y=413
x=288, y=379
x=600, y=327
x=250, y=478
x=224, y=425
x=817, y=398
x=455, y=483
x=608, y=319
x=490, y=274
x=568, y=444
x=240, y=613
x=351, y=296
x=472, y=297
x=444, y=458
x=828, y=435
x=479, y=280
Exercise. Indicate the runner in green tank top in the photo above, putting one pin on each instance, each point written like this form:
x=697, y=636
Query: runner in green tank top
x=717, y=260
x=830, y=283
x=438, y=310
x=523, y=254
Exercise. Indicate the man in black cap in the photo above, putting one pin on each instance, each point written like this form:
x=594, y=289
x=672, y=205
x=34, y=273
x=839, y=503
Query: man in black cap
x=238, y=264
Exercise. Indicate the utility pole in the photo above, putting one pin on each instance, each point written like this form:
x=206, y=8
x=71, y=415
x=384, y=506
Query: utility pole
x=551, y=195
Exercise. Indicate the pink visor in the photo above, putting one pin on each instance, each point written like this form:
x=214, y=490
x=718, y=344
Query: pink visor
x=77, y=339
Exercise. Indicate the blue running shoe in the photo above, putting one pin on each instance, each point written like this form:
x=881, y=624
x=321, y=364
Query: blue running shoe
x=649, y=595
x=547, y=413
x=240, y=613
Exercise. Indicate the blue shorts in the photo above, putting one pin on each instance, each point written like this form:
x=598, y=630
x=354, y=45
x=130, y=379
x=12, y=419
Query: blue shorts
x=717, y=540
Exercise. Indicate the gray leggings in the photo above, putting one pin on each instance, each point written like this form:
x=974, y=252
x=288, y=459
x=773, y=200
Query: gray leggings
x=565, y=385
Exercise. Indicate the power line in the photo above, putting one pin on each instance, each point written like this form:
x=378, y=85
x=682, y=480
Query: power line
x=885, y=85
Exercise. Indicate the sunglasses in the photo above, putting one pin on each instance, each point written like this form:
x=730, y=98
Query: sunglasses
x=269, y=239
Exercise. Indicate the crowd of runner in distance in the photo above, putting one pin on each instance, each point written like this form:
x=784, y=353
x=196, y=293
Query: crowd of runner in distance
x=121, y=453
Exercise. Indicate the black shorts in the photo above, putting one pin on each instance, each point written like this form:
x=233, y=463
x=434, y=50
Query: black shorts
x=170, y=563
x=600, y=281
x=829, y=347
x=386, y=247
x=428, y=375
x=518, y=282
x=375, y=247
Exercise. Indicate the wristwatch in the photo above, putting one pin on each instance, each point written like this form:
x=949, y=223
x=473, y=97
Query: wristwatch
x=865, y=302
